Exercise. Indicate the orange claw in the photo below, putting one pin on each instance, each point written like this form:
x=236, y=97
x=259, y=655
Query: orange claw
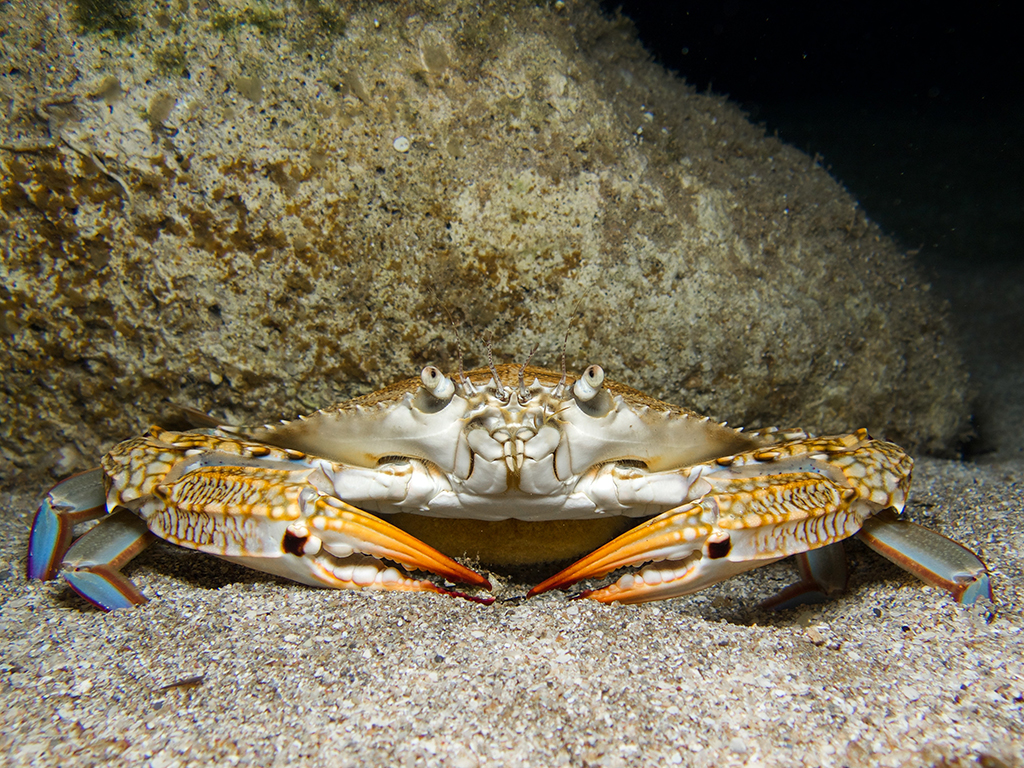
x=658, y=539
x=381, y=539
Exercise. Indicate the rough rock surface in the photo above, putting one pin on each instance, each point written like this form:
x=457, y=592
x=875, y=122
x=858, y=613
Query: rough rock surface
x=258, y=209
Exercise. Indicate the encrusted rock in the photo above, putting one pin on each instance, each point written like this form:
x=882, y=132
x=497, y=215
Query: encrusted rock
x=203, y=204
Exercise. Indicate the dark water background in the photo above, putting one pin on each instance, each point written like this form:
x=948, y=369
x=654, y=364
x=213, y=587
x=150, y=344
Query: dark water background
x=918, y=111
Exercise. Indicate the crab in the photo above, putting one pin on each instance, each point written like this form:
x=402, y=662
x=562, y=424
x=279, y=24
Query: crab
x=508, y=466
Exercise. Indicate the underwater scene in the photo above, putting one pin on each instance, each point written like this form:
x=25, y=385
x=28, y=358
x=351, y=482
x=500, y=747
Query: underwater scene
x=673, y=351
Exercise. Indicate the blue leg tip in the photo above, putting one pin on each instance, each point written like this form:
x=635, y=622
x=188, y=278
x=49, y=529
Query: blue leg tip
x=980, y=589
x=44, y=543
x=100, y=590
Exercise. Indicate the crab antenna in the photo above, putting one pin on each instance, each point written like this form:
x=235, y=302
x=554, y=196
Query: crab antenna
x=560, y=389
x=463, y=379
x=499, y=390
x=523, y=394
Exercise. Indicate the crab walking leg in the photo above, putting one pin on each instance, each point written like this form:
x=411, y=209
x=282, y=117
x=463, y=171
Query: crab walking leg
x=823, y=573
x=74, y=500
x=93, y=564
x=275, y=521
x=930, y=556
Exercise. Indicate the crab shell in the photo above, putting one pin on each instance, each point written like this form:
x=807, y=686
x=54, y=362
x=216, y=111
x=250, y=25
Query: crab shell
x=541, y=469
x=508, y=466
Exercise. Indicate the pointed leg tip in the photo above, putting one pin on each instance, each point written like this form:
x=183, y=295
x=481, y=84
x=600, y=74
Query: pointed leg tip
x=980, y=589
x=793, y=597
x=482, y=600
x=105, y=589
x=612, y=594
x=561, y=580
x=47, y=542
x=544, y=587
x=452, y=571
x=475, y=579
x=39, y=567
x=932, y=557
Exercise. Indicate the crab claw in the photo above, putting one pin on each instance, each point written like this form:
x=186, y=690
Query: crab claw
x=757, y=507
x=740, y=526
x=273, y=520
x=343, y=528
x=687, y=556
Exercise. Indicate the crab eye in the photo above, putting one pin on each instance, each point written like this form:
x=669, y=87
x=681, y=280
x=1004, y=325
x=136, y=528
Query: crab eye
x=435, y=394
x=436, y=383
x=589, y=384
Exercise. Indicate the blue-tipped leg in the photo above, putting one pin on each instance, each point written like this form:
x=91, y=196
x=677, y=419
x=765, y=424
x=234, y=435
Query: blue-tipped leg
x=107, y=590
x=92, y=565
x=928, y=555
x=77, y=499
x=823, y=573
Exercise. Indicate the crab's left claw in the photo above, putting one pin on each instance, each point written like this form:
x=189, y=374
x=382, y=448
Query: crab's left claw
x=765, y=504
x=759, y=507
x=687, y=556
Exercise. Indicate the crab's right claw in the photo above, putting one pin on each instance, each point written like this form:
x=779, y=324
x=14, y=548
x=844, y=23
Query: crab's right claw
x=344, y=528
x=77, y=499
x=928, y=555
x=272, y=519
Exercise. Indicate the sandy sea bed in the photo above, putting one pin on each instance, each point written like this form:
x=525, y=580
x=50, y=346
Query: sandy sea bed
x=229, y=665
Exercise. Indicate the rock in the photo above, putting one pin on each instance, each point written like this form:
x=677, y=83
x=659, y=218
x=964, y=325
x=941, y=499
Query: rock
x=260, y=209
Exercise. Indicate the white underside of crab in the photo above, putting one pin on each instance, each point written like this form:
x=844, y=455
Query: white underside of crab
x=310, y=499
